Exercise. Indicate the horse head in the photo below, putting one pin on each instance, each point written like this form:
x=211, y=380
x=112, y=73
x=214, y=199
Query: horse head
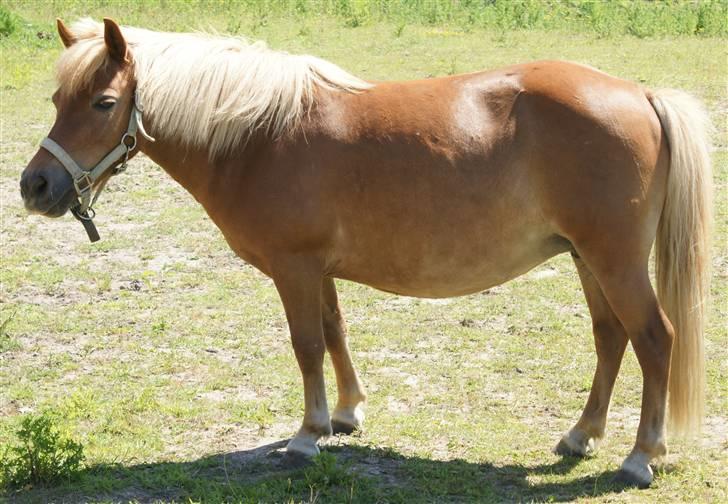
x=94, y=108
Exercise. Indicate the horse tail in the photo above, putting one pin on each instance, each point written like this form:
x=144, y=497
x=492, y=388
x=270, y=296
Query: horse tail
x=683, y=251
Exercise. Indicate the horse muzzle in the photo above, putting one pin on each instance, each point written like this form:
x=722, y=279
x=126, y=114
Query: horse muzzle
x=47, y=190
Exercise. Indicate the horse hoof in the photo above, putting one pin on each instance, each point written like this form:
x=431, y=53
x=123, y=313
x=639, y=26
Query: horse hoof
x=630, y=479
x=635, y=471
x=347, y=422
x=343, y=427
x=575, y=444
x=302, y=448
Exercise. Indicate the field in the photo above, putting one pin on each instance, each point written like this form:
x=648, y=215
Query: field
x=168, y=358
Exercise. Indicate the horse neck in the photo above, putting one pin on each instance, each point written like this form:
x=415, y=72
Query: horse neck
x=194, y=170
x=190, y=167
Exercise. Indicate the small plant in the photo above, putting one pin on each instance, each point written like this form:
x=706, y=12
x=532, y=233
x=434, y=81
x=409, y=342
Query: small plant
x=103, y=283
x=8, y=22
x=7, y=342
x=42, y=456
x=453, y=69
x=326, y=472
x=159, y=327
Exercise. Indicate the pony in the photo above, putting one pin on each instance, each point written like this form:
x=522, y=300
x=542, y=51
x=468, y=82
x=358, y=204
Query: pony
x=433, y=188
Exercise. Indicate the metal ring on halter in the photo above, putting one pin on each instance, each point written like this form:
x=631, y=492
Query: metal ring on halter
x=89, y=215
x=132, y=146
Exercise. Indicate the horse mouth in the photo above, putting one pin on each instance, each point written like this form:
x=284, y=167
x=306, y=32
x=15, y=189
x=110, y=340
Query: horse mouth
x=56, y=208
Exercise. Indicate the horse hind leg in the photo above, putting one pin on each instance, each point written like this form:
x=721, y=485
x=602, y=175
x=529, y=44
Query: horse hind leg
x=348, y=415
x=624, y=279
x=610, y=340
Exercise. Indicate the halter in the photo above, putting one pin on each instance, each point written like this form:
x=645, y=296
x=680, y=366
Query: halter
x=84, y=180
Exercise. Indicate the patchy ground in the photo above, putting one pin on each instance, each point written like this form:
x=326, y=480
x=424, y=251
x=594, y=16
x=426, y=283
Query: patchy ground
x=169, y=358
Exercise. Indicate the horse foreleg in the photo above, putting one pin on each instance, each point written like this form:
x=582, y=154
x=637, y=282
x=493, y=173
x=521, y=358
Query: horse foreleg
x=299, y=286
x=610, y=340
x=348, y=415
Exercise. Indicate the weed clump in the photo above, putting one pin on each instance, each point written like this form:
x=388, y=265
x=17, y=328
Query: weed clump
x=326, y=472
x=42, y=455
x=7, y=342
x=8, y=22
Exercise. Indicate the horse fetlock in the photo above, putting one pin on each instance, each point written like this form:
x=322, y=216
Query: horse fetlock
x=654, y=449
x=578, y=443
x=320, y=429
x=346, y=420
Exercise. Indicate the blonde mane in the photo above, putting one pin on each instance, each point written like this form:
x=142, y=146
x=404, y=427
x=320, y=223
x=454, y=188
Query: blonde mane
x=208, y=91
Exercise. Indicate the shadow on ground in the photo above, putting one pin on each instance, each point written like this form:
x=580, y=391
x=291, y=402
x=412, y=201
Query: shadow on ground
x=340, y=474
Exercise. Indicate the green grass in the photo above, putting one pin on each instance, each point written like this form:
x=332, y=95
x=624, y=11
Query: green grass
x=641, y=18
x=168, y=358
x=7, y=341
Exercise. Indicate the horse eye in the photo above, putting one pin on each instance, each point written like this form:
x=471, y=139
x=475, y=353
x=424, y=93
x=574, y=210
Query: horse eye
x=105, y=104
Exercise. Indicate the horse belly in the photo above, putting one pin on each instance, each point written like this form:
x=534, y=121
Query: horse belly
x=451, y=257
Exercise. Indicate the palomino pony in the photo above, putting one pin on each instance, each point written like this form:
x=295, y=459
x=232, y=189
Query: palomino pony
x=433, y=188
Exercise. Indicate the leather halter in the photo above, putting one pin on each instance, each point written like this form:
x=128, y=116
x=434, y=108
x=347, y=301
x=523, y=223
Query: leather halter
x=84, y=180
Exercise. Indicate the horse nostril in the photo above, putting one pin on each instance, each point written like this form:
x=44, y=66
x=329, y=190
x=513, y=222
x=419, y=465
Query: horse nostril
x=38, y=185
x=33, y=186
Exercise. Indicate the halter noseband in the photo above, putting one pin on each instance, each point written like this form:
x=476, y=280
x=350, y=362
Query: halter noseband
x=84, y=180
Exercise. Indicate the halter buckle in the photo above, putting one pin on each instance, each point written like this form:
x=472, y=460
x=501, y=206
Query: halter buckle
x=85, y=180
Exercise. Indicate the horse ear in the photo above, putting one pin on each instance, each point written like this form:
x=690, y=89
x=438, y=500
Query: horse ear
x=67, y=37
x=115, y=41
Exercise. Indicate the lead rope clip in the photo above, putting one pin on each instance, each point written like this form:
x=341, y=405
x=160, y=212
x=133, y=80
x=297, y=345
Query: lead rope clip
x=86, y=218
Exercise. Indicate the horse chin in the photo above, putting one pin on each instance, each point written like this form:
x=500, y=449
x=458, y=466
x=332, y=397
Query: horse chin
x=60, y=207
x=55, y=212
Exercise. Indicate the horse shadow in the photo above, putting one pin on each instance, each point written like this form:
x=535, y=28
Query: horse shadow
x=341, y=474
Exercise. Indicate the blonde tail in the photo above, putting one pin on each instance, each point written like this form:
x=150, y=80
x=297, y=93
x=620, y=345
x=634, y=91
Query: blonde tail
x=683, y=251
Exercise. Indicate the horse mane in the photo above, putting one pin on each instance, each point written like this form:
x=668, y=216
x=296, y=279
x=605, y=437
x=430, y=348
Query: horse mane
x=209, y=91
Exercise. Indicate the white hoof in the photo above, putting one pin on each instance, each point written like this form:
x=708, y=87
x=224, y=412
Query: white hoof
x=636, y=470
x=304, y=446
x=347, y=420
x=576, y=442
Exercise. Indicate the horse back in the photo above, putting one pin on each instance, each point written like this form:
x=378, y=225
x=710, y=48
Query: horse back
x=446, y=186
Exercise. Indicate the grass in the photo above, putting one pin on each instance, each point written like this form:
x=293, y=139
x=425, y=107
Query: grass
x=7, y=342
x=168, y=358
x=640, y=18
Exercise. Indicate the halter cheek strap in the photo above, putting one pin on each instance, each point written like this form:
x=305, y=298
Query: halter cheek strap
x=84, y=180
